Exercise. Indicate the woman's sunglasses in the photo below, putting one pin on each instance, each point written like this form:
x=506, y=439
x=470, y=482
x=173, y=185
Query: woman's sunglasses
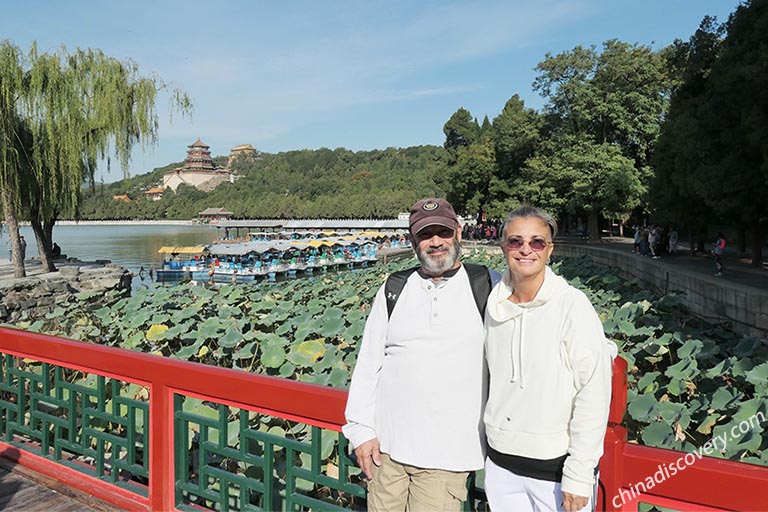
x=515, y=243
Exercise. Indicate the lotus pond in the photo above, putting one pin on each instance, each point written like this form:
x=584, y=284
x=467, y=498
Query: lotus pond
x=689, y=379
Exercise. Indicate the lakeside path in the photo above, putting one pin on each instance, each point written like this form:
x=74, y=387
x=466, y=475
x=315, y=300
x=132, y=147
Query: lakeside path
x=735, y=270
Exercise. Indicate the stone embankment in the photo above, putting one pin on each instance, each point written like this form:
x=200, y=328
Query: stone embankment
x=40, y=293
x=738, y=300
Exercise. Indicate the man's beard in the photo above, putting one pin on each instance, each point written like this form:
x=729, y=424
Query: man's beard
x=439, y=264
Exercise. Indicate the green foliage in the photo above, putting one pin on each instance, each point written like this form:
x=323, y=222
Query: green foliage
x=688, y=380
x=293, y=184
x=712, y=151
x=60, y=113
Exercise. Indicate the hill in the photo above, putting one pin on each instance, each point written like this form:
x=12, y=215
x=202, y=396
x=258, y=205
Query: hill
x=294, y=184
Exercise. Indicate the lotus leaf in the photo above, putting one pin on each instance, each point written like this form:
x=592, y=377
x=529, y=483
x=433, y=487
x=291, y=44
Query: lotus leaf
x=329, y=440
x=644, y=408
x=751, y=408
x=686, y=369
x=155, y=332
x=739, y=437
x=724, y=399
x=690, y=349
x=741, y=366
x=647, y=380
x=138, y=319
x=189, y=351
x=246, y=351
x=211, y=328
x=178, y=330
x=272, y=354
x=287, y=370
x=705, y=427
x=339, y=378
x=230, y=338
x=758, y=376
x=333, y=321
x=719, y=369
x=184, y=314
x=659, y=434
x=303, y=331
x=306, y=462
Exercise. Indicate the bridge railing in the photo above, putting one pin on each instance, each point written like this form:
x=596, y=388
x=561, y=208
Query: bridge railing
x=145, y=432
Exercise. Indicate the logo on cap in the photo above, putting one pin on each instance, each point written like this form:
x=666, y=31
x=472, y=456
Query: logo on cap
x=429, y=206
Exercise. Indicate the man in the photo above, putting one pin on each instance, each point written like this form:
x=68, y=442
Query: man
x=414, y=412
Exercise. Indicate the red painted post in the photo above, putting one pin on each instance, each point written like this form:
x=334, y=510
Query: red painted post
x=162, y=493
x=611, y=471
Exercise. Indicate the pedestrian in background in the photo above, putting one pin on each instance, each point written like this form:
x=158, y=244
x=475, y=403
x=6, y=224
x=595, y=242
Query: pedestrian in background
x=717, y=252
x=672, y=249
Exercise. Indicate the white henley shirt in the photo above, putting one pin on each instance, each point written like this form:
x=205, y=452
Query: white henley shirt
x=419, y=382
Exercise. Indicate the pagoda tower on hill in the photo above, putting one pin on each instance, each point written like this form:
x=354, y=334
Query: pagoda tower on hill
x=198, y=157
x=198, y=170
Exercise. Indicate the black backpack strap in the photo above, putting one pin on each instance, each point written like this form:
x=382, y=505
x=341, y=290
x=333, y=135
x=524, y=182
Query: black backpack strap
x=481, y=282
x=394, y=285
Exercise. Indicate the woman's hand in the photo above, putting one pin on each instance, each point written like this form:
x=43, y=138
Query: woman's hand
x=573, y=503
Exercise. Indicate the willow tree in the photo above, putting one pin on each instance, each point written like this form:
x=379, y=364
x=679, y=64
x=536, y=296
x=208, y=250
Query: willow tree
x=11, y=177
x=72, y=110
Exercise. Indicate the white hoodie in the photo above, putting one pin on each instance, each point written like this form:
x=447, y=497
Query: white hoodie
x=550, y=378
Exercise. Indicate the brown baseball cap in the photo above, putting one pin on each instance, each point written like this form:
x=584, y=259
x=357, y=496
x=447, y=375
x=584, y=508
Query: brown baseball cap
x=431, y=211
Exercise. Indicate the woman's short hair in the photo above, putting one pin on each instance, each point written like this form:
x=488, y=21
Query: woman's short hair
x=527, y=212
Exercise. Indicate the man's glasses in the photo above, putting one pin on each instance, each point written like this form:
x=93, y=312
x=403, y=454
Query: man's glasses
x=515, y=243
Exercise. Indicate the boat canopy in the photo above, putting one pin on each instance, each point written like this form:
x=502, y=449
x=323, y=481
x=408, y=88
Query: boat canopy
x=197, y=249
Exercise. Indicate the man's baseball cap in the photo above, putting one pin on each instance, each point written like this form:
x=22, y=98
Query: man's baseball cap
x=431, y=211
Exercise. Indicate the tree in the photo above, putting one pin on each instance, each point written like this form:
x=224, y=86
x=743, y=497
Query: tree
x=470, y=178
x=460, y=130
x=12, y=162
x=613, y=99
x=516, y=135
x=735, y=122
x=714, y=144
x=70, y=110
x=578, y=175
x=680, y=150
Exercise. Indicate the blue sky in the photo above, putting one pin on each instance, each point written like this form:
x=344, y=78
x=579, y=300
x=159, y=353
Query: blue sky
x=354, y=74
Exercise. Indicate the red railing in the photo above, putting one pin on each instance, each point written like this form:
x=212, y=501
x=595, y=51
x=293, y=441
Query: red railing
x=709, y=484
x=306, y=403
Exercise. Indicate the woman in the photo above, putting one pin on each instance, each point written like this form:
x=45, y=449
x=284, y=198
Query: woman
x=550, y=378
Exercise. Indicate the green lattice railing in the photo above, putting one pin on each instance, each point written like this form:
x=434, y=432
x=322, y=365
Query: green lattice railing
x=91, y=423
x=225, y=458
x=230, y=459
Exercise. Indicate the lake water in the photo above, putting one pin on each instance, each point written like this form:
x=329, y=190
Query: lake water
x=129, y=246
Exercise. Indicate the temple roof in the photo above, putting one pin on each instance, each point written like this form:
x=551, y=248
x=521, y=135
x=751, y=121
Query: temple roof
x=198, y=144
x=242, y=147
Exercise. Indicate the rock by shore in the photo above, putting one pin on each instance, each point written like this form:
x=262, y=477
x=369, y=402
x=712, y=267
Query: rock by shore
x=41, y=292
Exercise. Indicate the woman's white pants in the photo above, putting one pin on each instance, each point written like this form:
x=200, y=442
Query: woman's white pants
x=507, y=491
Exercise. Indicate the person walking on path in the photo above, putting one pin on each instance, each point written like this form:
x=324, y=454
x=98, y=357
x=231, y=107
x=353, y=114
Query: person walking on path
x=673, y=240
x=23, y=246
x=415, y=405
x=717, y=252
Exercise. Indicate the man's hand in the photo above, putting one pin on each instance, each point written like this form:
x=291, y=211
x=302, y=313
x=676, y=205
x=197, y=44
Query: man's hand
x=573, y=503
x=367, y=454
